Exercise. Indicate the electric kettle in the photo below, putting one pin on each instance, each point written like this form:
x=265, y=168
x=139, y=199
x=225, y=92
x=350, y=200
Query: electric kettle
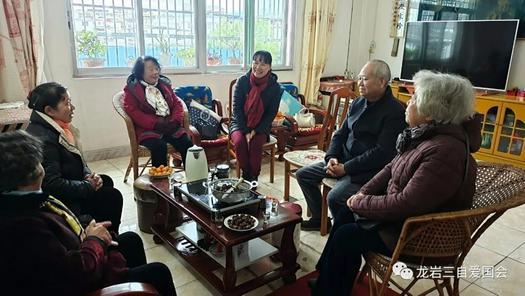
x=196, y=167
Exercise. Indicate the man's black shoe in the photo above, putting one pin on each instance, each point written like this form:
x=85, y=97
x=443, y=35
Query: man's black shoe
x=314, y=225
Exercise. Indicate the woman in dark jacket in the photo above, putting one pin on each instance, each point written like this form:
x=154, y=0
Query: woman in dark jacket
x=67, y=174
x=158, y=114
x=433, y=172
x=255, y=103
x=44, y=250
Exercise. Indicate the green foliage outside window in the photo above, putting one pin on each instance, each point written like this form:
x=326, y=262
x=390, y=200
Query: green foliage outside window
x=90, y=45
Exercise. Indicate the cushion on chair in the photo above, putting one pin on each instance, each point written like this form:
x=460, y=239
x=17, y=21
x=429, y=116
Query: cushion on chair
x=307, y=131
x=201, y=94
x=222, y=140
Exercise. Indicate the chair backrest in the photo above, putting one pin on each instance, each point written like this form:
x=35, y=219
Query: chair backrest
x=338, y=104
x=229, y=108
x=200, y=93
x=452, y=234
x=118, y=103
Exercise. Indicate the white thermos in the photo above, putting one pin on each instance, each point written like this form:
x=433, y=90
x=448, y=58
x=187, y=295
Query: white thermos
x=196, y=164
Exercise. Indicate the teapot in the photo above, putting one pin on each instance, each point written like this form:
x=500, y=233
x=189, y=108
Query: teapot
x=196, y=167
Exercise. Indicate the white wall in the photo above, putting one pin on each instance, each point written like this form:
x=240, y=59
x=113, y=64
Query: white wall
x=371, y=22
x=101, y=128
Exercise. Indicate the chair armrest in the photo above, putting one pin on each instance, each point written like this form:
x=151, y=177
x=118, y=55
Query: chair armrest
x=194, y=135
x=294, y=126
x=126, y=289
x=217, y=107
x=225, y=125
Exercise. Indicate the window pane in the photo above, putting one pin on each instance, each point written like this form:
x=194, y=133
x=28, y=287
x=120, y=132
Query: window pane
x=169, y=31
x=225, y=32
x=270, y=28
x=105, y=33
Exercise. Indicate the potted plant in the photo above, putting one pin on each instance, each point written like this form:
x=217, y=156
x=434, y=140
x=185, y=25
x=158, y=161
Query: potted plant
x=187, y=55
x=164, y=45
x=213, y=59
x=91, y=48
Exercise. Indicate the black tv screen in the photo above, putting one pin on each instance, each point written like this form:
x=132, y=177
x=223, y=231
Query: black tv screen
x=478, y=50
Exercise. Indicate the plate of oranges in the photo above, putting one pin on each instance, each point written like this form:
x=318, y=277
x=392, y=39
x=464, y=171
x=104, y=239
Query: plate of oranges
x=160, y=172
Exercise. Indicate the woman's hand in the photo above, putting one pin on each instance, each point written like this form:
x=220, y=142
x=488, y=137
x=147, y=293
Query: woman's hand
x=95, y=180
x=100, y=230
x=249, y=136
x=352, y=200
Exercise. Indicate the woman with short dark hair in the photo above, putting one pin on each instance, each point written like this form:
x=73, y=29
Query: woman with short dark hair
x=68, y=177
x=157, y=113
x=45, y=250
x=256, y=101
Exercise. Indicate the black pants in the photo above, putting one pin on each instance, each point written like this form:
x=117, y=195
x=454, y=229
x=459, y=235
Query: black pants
x=105, y=204
x=159, y=150
x=341, y=258
x=156, y=274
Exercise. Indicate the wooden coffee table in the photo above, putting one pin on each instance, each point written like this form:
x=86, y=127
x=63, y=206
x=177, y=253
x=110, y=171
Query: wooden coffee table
x=206, y=263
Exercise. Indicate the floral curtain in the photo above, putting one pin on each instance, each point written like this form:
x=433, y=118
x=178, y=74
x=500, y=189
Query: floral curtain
x=319, y=16
x=21, y=47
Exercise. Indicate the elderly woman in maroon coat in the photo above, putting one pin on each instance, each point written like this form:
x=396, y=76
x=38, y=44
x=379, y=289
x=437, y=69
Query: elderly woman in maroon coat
x=158, y=114
x=432, y=172
x=44, y=250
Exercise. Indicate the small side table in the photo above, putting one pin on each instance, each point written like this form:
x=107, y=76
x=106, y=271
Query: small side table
x=14, y=118
x=298, y=159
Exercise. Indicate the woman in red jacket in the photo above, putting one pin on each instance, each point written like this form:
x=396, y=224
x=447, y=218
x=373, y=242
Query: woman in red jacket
x=432, y=172
x=44, y=250
x=158, y=114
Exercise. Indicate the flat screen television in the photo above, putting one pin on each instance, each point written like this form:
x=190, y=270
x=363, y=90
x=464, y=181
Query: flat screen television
x=478, y=50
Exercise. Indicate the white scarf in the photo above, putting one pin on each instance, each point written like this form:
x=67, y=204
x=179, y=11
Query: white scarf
x=155, y=98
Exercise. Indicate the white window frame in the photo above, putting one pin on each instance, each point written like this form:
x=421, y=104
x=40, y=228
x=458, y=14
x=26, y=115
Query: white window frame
x=200, y=43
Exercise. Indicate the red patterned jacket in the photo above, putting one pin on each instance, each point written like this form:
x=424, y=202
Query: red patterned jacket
x=143, y=114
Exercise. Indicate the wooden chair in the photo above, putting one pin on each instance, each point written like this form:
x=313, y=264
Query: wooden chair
x=216, y=150
x=127, y=289
x=444, y=239
x=136, y=149
x=338, y=105
x=268, y=148
x=300, y=138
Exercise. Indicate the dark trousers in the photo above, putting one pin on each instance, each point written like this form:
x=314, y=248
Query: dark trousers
x=156, y=274
x=105, y=204
x=310, y=177
x=249, y=156
x=159, y=149
x=339, y=263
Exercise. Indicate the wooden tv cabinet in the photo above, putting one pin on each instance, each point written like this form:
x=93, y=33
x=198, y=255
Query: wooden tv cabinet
x=503, y=127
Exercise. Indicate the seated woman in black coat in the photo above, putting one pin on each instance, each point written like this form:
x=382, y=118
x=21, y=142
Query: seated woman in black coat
x=256, y=101
x=68, y=177
x=44, y=250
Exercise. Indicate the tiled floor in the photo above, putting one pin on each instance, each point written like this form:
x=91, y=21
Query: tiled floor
x=501, y=246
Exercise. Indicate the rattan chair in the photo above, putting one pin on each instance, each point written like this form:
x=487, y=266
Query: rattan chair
x=444, y=239
x=136, y=149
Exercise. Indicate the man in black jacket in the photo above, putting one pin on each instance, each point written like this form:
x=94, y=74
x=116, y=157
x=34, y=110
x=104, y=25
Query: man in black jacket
x=363, y=145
